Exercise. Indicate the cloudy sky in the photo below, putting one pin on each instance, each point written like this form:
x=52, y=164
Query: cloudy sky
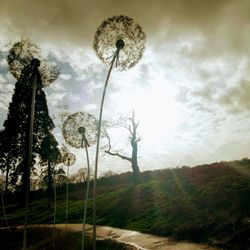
x=190, y=90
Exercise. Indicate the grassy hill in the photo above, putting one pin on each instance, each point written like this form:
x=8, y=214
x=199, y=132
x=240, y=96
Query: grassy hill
x=207, y=203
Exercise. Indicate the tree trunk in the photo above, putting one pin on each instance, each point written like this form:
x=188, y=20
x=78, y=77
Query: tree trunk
x=133, y=142
x=134, y=161
x=25, y=180
x=24, y=169
x=49, y=183
x=7, y=177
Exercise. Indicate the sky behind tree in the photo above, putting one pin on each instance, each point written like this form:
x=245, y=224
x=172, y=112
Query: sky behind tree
x=190, y=91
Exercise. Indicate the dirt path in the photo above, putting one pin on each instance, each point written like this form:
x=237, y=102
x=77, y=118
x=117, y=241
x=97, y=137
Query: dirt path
x=140, y=240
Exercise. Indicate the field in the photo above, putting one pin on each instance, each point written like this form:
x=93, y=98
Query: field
x=208, y=203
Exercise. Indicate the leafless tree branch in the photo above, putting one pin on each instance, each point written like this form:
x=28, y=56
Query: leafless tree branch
x=108, y=151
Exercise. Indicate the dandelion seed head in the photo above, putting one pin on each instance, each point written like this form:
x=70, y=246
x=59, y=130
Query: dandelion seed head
x=78, y=125
x=21, y=55
x=122, y=33
x=68, y=159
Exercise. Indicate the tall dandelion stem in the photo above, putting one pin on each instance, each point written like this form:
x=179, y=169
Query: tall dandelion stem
x=97, y=147
x=124, y=40
x=36, y=64
x=4, y=212
x=86, y=198
x=54, y=222
x=80, y=131
x=67, y=198
x=68, y=160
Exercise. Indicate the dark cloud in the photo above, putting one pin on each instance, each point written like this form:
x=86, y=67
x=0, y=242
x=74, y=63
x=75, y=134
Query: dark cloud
x=237, y=99
x=76, y=21
x=234, y=99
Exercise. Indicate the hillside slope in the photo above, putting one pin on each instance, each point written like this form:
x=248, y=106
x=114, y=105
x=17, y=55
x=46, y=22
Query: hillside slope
x=208, y=203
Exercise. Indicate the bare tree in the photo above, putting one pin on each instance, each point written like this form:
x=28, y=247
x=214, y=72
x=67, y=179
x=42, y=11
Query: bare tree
x=81, y=175
x=134, y=139
x=108, y=173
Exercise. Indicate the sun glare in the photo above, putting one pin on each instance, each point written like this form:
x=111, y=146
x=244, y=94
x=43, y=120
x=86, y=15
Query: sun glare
x=155, y=108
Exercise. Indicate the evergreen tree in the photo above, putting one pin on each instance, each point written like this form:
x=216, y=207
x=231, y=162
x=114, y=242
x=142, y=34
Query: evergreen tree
x=15, y=143
x=5, y=155
x=16, y=126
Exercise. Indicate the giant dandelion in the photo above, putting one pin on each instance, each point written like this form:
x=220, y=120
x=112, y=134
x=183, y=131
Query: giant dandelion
x=22, y=53
x=79, y=131
x=68, y=160
x=118, y=41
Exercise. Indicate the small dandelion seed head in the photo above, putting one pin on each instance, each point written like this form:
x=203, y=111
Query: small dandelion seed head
x=122, y=33
x=68, y=159
x=78, y=124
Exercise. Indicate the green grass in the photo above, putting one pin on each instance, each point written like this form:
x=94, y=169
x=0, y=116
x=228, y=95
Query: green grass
x=208, y=203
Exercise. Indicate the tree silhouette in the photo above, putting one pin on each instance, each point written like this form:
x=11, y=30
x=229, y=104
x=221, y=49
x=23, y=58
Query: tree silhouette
x=50, y=156
x=5, y=156
x=14, y=147
x=134, y=139
x=16, y=127
x=81, y=175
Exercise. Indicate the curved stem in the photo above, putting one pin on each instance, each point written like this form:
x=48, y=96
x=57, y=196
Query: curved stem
x=67, y=198
x=87, y=196
x=54, y=226
x=4, y=212
x=97, y=148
